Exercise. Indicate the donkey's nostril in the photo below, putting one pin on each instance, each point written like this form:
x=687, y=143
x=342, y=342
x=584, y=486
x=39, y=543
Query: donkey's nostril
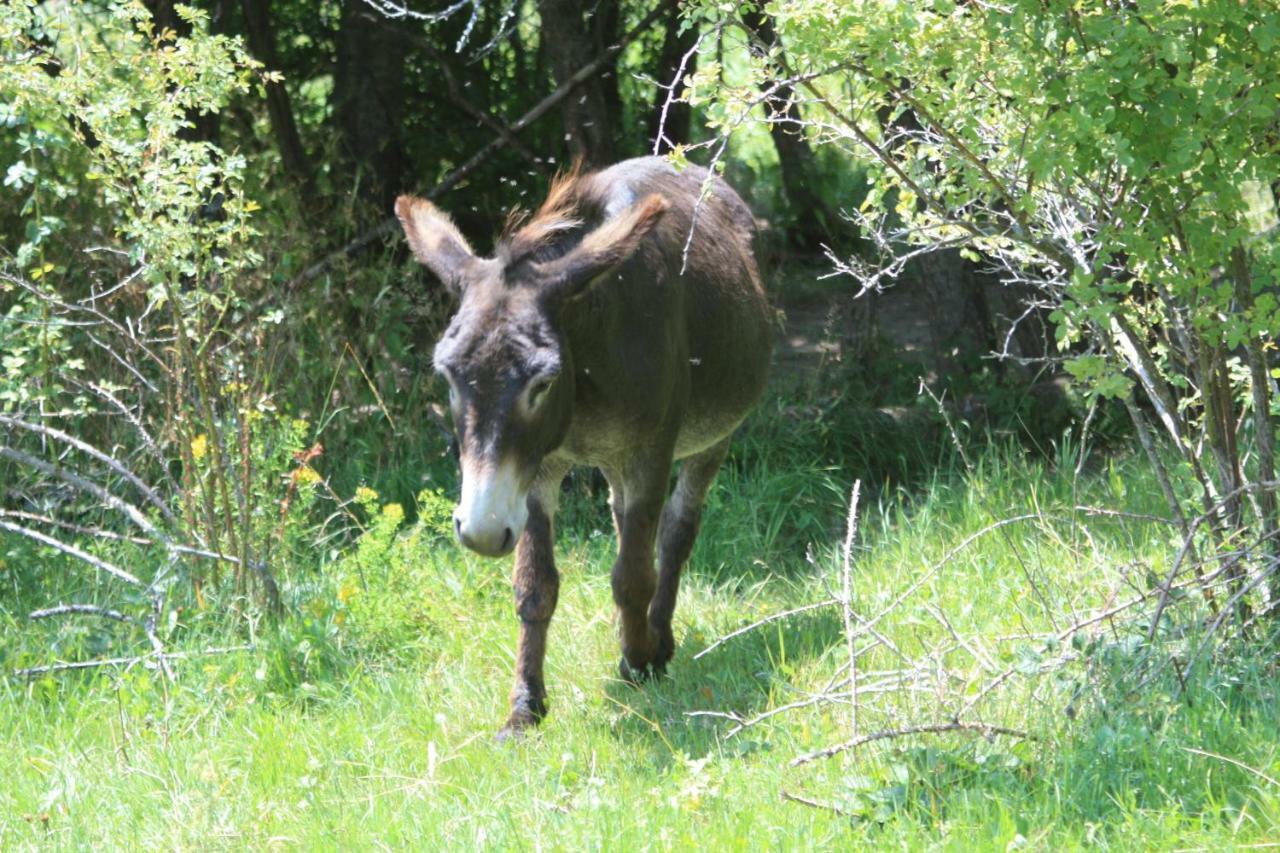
x=506, y=539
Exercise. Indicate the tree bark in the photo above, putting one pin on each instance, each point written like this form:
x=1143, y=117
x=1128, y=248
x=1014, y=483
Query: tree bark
x=573, y=32
x=814, y=220
x=368, y=102
x=262, y=43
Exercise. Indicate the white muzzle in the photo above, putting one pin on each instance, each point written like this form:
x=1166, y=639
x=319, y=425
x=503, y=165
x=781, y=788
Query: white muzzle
x=493, y=511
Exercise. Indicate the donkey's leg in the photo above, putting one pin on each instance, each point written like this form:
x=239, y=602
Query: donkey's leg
x=677, y=533
x=617, y=498
x=634, y=579
x=536, y=584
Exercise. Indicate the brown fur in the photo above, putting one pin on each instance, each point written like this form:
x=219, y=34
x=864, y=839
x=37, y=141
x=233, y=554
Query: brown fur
x=524, y=236
x=638, y=353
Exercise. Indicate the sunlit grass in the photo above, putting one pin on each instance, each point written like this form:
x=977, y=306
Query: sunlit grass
x=366, y=718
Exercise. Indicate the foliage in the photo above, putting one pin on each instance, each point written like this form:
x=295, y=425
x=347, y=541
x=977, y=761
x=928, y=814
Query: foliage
x=136, y=408
x=1119, y=159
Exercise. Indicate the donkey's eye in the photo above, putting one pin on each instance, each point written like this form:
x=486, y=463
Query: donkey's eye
x=538, y=389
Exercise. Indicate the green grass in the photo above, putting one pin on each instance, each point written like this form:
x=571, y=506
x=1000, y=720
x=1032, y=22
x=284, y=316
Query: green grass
x=366, y=718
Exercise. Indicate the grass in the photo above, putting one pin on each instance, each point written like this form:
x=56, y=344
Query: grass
x=365, y=718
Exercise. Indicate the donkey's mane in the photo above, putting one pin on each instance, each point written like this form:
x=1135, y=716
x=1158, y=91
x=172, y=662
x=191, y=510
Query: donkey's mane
x=537, y=237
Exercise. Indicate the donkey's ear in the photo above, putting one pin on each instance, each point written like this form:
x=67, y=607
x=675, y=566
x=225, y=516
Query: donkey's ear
x=434, y=239
x=602, y=249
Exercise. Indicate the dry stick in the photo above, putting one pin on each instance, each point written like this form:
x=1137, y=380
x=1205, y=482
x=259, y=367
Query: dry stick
x=147, y=440
x=982, y=494
x=1190, y=529
x=73, y=551
x=452, y=179
x=765, y=621
x=32, y=671
x=932, y=728
x=1237, y=763
x=814, y=804
x=1239, y=592
x=90, y=450
x=1070, y=631
x=936, y=567
x=1133, y=516
x=846, y=605
x=90, y=609
x=974, y=652
x=99, y=319
x=671, y=93
x=111, y=536
x=134, y=514
x=888, y=685
x=867, y=625
x=495, y=124
x=76, y=528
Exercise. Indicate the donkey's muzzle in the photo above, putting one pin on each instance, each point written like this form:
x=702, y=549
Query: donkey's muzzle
x=493, y=540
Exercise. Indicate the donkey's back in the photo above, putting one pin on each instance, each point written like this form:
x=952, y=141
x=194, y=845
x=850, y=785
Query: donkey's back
x=681, y=331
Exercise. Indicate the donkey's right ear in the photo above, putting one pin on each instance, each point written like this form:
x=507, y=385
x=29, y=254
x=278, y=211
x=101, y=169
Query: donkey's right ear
x=434, y=239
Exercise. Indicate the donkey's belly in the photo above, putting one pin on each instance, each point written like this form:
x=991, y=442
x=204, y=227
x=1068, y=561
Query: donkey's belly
x=699, y=433
x=609, y=442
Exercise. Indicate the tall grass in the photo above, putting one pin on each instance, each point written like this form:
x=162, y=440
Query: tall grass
x=366, y=716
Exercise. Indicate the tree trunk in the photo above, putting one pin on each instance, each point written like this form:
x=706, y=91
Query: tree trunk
x=572, y=35
x=262, y=43
x=814, y=220
x=676, y=46
x=368, y=102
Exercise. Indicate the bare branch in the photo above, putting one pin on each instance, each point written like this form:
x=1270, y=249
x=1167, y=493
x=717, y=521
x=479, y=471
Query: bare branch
x=934, y=728
x=73, y=551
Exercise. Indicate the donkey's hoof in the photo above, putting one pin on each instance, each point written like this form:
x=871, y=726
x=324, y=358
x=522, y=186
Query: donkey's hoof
x=666, y=650
x=521, y=721
x=509, y=734
x=515, y=730
x=638, y=675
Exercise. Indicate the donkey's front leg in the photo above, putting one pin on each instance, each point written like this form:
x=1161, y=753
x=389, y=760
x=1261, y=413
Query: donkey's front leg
x=536, y=584
x=537, y=587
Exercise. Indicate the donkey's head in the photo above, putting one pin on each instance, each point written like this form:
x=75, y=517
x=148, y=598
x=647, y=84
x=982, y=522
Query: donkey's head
x=509, y=371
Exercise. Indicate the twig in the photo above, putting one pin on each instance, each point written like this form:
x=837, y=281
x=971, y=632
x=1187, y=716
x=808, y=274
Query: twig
x=134, y=514
x=1233, y=761
x=814, y=804
x=92, y=609
x=95, y=453
x=765, y=621
x=846, y=605
x=933, y=728
x=146, y=660
x=73, y=551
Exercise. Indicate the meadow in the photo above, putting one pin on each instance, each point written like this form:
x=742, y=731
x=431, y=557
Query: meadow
x=364, y=718
x=993, y=566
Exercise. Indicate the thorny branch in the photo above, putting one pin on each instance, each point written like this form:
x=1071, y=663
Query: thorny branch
x=957, y=673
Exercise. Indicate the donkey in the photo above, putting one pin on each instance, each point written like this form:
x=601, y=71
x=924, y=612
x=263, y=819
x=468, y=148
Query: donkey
x=595, y=336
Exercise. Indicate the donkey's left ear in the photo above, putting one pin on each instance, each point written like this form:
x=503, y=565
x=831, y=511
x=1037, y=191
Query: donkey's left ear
x=434, y=239
x=602, y=249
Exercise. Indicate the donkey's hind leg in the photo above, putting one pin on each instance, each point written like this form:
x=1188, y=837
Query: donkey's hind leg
x=642, y=486
x=678, y=530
